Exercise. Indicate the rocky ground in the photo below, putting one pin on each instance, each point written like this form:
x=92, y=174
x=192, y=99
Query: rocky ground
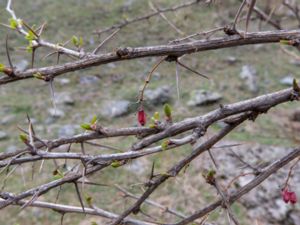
x=263, y=204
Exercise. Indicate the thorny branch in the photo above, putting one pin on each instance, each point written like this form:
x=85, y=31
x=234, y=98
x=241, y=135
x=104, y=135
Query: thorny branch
x=176, y=50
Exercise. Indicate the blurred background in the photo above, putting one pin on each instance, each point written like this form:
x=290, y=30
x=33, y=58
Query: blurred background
x=110, y=92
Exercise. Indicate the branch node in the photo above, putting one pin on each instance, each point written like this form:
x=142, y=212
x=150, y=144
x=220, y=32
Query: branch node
x=172, y=58
x=124, y=52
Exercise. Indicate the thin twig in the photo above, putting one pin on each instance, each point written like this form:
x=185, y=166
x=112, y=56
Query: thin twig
x=97, y=49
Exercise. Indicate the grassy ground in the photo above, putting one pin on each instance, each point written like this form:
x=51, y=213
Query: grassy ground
x=122, y=80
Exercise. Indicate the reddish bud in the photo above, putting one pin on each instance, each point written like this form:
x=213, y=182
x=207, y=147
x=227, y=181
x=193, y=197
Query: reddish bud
x=142, y=117
x=285, y=195
x=288, y=196
x=293, y=197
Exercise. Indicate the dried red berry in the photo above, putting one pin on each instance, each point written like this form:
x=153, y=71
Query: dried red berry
x=285, y=195
x=289, y=196
x=293, y=197
x=142, y=117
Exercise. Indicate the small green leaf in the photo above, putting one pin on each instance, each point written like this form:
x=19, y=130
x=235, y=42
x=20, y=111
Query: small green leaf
x=296, y=86
x=13, y=23
x=57, y=174
x=38, y=75
x=156, y=116
x=94, y=120
x=23, y=137
x=29, y=47
x=2, y=67
x=211, y=173
x=152, y=125
x=115, y=164
x=167, y=110
x=80, y=42
x=94, y=223
x=284, y=42
x=75, y=40
x=89, y=200
x=164, y=145
x=56, y=177
x=86, y=126
x=30, y=36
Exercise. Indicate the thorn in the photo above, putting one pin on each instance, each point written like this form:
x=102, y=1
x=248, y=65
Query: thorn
x=152, y=171
x=29, y=28
x=79, y=196
x=251, y=6
x=58, y=56
x=213, y=159
x=52, y=94
x=41, y=29
x=62, y=218
x=177, y=81
x=8, y=55
x=194, y=71
x=32, y=57
x=105, y=40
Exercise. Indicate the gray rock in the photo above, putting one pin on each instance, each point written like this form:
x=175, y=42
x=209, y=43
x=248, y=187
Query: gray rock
x=295, y=62
x=127, y=4
x=249, y=75
x=279, y=210
x=64, y=98
x=111, y=65
x=8, y=119
x=56, y=113
x=49, y=120
x=156, y=76
x=115, y=108
x=11, y=149
x=158, y=96
x=296, y=115
x=136, y=167
x=295, y=218
x=67, y=130
x=52, y=128
x=92, y=40
x=22, y=65
x=287, y=80
x=231, y=60
x=202, y=97
x=88, y=80
x=3, y=135
x=258, y=47
x=63, y=81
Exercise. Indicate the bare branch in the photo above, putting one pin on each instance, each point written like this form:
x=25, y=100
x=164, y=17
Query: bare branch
x=176, y=50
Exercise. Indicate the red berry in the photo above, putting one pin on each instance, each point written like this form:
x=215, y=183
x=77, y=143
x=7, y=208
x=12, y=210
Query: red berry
x=293, y=197
x=289, y=196
x=285, y=195
x=142, y=117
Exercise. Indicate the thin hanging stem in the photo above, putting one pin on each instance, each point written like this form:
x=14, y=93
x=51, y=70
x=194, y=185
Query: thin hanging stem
x=177, y=81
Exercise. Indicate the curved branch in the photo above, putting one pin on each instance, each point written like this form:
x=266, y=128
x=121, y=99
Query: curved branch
x=74, y=209
x=154, y=51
